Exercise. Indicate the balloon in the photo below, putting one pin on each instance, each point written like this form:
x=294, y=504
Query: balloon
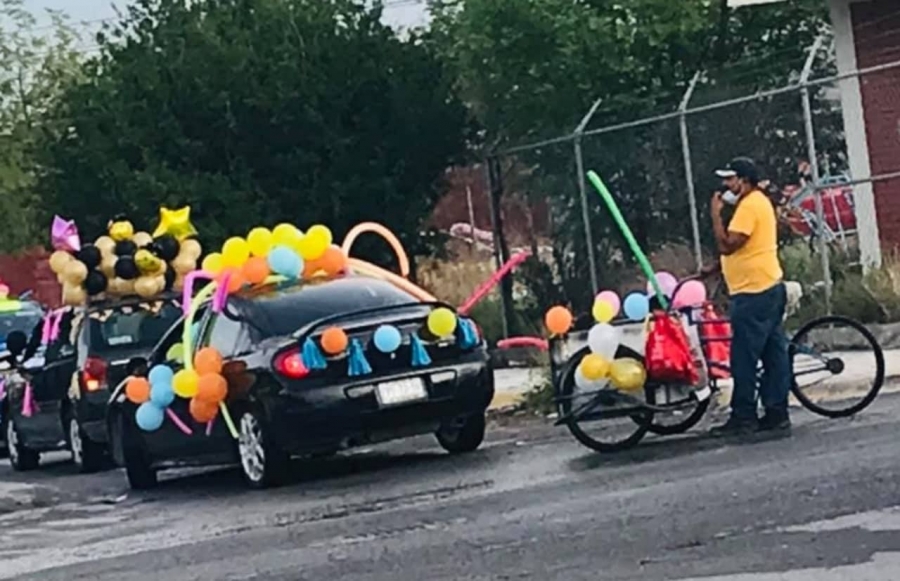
x=145, y=286
x=166, y=247
x=120, y=230
x=105, y=244
x=236, y=279
x=211, y=388
x=125, y=248
x=75, y=272
x=604, y=339
x=627, y=374
x=73, y=295
x=95, y=283
x=64, y=235
x=235, y=252
x=558, y=320
x=137, y=390
x=594, y=367
x=284, y=261
x=603, y=311
x=442, y=322
x=126, y=269
x=149, y=417
x=202, y=411
x=285, y=235
x=208, y=360
x=161, y=394
x=161, y=374
x=169, y=279
x=108, y=265
x=318, y=238
x=260, y=242
x=90, y=255
x=313, y=268
x=389, y=237
x=185, y=382
x=691, y=294
x=333, y=261
x=256, y=270
x=334, y=341
x=175, y=353
x=667, y=282
x=612, y=298
x=184, y=264
x=387, y=338
x=192, y=248
x=212, y=263
x=59, y=260
x=142, y=239
x=636, y=306
x=585, y=384
x=147, y=263
x=175, y=222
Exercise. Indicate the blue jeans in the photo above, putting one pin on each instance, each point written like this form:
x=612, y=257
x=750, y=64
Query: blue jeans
x=758, y=335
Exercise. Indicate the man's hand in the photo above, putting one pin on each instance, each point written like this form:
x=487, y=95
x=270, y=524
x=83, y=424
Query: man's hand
x=716, y=204
x=711, y=270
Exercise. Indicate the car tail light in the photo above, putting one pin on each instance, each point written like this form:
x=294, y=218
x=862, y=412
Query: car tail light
x=290, y=364
x=94, y=374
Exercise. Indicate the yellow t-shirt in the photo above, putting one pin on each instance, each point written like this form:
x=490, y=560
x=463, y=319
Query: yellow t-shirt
x=754, y=267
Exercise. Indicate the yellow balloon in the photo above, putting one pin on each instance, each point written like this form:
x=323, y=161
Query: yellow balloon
x=442, y=322
x=286, y=235
x=260, y=241
x=627, y=374
x=315, y=242
x=594, y=367
x=321, y=233
x=185, y=383
x=603, y=312
x=175, y=352
x=213, y=263
x=235, y=252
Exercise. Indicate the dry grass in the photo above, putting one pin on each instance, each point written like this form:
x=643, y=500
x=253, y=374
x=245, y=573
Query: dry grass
x=454, y=279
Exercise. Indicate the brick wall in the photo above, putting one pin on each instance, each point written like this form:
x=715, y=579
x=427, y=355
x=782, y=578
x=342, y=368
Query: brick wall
x=30, y=270
x=876, y=30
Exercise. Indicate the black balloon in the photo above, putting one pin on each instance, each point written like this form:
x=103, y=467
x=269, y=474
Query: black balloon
x=89, y=255
x=166, y=247
x=126, y=269
x=170, y=278
x=125, y=248
x=95, y=283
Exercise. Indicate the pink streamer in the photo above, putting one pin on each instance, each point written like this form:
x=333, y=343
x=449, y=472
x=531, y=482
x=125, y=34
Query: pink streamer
x=221, y=294
x=209, y=427
x=178, y=423
x=29, y=406
x=493, y=281
x=513, y=342
x=188, y=290
x=57, y=323
x=45, y=330
x=2, y=388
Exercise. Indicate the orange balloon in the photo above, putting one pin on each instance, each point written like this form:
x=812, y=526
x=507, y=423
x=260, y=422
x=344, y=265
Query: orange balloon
x=558, y=320
x=312, y=267
x=334, y=341
x=334, y=261
x=256, y=270
x=137, y=390
x=208, y=360
x=212, y=388
x=236, y=281
x=203, y=411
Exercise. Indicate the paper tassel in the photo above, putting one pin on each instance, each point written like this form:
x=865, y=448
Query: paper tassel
x=2, y=389
x=357, y=364
x=29, y=406
x=312, y=356
x=420, y=356
x=468, y=338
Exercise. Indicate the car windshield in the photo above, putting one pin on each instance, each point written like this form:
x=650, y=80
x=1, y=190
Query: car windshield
x=18, y=316
x=284, y=311
x=131, y=327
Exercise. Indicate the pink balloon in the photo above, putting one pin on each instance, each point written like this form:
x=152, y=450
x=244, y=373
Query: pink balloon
x=612, y=298
x=691, y=294
x=667, y=282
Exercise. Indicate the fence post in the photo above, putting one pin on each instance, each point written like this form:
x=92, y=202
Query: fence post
x=814, y=169
x=582, y=191
x=688, y=169
x=501, y=252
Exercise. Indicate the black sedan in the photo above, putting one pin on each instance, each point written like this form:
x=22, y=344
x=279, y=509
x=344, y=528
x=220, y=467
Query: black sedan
x=283, y=408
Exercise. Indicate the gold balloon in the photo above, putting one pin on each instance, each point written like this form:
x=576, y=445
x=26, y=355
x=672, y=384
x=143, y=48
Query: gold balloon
x=145, y=286
x=179, y=282
x=160, y=280
x=75, y=272
x=73, y=295
x=122, y=287
x=121, y=230
x=627, y=374
x=142, y=239
x=175, y=222
x=59, y=260
x=108, y=265
x=191, y=248
x=184, y=264
x=105, y=245
x=147, y=262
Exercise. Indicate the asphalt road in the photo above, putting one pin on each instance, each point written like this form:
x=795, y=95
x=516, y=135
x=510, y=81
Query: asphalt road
x=532, y=504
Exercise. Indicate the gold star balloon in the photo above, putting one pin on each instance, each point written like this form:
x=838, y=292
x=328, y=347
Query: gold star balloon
x=175, y=222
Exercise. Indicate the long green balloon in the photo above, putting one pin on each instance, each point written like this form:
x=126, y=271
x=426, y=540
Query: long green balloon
x=629, y=237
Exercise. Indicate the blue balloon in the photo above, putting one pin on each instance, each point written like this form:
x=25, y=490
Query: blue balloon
x=162, y=395
x=161, y=374
x=636, y=306
x=284, y=261
x=387, y=338
x=149, y=417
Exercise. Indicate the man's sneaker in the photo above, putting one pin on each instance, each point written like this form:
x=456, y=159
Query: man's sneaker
x=775, y=423
x=735, y=427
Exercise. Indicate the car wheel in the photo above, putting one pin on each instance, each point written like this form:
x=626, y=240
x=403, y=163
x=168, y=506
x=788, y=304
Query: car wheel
x=87, y=455
x=262, y=463
x=463, y=437
x=140, y=472
x=21, y=457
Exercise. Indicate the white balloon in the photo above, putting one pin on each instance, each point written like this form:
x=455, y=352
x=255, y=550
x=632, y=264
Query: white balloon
x=583, y=384
x=604, y=339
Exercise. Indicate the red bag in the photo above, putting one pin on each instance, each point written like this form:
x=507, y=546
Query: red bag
x=715, y=334
x=668, y=352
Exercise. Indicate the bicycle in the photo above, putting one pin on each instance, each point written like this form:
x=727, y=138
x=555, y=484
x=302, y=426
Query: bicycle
x=818, y=347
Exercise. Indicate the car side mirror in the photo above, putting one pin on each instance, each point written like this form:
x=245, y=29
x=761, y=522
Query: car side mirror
x=16, y=342
x=137, y=366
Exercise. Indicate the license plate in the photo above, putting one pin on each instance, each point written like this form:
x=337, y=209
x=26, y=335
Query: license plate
x=401, y=391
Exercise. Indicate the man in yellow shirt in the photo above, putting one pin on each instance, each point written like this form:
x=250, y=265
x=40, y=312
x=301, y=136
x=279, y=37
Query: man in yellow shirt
x=752, y=271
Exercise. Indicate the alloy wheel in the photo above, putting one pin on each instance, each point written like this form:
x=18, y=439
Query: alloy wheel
x=250, y=447
x=75, y=442
x=12, y=441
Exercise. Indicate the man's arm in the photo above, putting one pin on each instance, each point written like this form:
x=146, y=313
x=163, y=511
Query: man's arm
x=732, y=239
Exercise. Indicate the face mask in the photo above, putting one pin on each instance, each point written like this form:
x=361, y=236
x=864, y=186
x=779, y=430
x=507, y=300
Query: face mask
x=730, y=198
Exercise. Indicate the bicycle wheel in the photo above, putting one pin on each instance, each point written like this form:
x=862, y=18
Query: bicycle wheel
x=680, y=420
x=838, y=366
x=596, y=418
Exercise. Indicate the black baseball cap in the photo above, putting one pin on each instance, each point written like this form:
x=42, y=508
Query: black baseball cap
x=740, y=167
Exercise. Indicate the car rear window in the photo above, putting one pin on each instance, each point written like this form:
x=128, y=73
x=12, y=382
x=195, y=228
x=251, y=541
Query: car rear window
x=133, y=327
x=284, y=311
x=24, y=319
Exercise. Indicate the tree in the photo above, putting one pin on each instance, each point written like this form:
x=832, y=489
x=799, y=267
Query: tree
x=256, y=111
x=38, y=63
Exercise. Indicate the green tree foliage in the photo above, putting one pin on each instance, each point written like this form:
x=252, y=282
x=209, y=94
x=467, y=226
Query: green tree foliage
x=256, y=111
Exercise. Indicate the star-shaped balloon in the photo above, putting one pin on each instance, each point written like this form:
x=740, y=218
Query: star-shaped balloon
x=64, y=235
x=175, y=222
